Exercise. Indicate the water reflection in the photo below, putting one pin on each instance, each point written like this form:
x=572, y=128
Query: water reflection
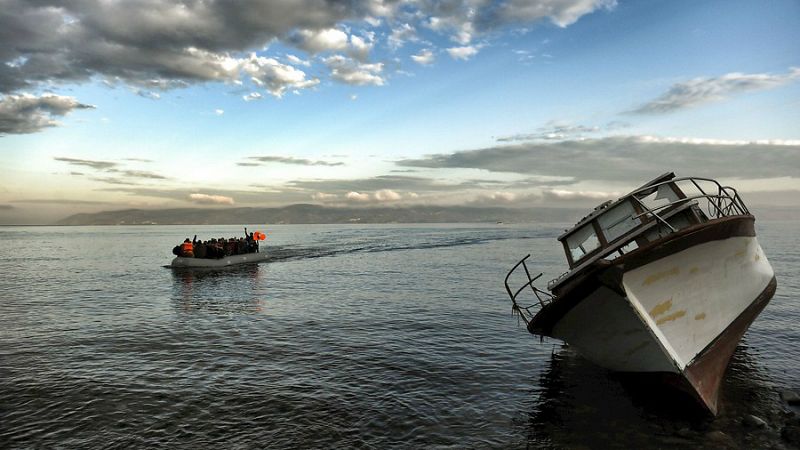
x=234, y=289
x=583, y=406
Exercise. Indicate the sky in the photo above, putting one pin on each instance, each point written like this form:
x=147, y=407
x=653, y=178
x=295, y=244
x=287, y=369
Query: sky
x=108, y=105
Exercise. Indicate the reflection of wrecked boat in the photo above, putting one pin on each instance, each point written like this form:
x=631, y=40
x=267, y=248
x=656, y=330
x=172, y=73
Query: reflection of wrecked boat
x=666, y=279
x=231, y=260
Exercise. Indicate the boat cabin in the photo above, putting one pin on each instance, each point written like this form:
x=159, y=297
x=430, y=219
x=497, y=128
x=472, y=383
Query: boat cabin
x=647, y=214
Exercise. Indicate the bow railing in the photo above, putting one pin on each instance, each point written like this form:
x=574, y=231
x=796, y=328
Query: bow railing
x=543, y=298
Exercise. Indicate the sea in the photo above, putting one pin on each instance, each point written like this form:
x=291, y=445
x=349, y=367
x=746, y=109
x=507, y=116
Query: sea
x=349, y=336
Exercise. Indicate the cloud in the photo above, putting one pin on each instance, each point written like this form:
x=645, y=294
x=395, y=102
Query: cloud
x=111, y=167
x=171, y=44
x=553, y=130
x=114, y=180
x=219, y=112
x=322, y=197
x=298, y=61
x=187, y=41
x=142, y=174
x=465, y=19
x=147, y=94
x=381, y=182
x=350, y=71
x=205, y=199
x=138, y=160
x=163, y=45
x=424, y=57
x=628, y=158
x=275, y=76
x=561, y=13
x=60, y=201
x=463, y=53
x=26, y=113
x=287, y=160
x=267, y=195
x=699, y=91
x=316, y=41
x=94, y=164
x=401, y=34
x=251, y=96
x=387, y=195
x=592, y=196
x=358, y=197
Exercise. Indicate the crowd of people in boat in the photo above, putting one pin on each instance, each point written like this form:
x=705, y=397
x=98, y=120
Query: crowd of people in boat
x=216, y=248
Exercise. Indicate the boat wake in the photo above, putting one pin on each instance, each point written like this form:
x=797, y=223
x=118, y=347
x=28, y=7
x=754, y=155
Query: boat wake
x=293, y=252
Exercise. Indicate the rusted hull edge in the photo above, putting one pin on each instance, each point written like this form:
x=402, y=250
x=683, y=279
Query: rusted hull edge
x=705, y=372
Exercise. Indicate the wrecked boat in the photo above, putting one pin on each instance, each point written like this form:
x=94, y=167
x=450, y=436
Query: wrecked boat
x=664, y=280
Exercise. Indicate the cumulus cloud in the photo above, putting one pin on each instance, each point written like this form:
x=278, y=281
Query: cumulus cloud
x=351, y=71
x=358, y=197
x=197, y=41
x=167, y=45
x=561, y=13
x=187, y=41
x=219, y=112
x=698, y=91
x=261, y=160
x=628, y=158
x=316, y=41
x=297, y=60
x=424, y=57
x=275, y=76
x=463, y=53
x=26, y=113
x=401, y=34
x=206, y=199
x=387, y=195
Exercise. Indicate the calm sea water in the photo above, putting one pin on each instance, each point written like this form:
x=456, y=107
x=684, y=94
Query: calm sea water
x=350, y=336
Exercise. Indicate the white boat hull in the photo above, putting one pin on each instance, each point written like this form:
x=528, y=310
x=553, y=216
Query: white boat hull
x=222, y=262
x=675, y=314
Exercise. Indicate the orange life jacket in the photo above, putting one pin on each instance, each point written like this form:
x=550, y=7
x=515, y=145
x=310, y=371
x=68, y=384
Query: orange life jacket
x=187, y=249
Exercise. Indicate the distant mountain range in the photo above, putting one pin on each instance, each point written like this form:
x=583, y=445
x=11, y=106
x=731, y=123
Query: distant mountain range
x=309, y=214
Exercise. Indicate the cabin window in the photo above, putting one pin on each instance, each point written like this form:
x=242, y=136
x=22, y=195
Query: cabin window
x=582, y=241
x=618, y=221
x=663, y=195
x=678, y=221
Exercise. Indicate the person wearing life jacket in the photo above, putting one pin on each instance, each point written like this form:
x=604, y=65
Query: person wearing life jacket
x=187, y=249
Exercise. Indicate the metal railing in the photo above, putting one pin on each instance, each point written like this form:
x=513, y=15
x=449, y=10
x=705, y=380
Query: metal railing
x=722, y=203
x=543, y=298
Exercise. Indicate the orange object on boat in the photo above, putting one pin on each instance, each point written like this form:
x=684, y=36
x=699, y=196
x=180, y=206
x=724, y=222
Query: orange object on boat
x=259, y=236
